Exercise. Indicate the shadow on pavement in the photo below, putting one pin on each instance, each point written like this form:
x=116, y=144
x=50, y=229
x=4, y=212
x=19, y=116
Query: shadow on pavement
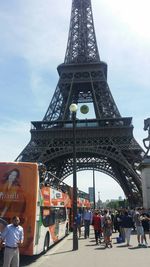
x=57, y=253
x=91, y=245
x=137, y=247
x=122, y=246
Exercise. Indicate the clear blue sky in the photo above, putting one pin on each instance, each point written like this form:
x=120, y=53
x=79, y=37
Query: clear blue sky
x=33, y=38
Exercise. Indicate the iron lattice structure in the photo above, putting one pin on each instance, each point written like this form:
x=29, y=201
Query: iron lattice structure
x=105, y=142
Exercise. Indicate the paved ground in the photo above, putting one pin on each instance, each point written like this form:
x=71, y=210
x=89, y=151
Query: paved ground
x=92, y=255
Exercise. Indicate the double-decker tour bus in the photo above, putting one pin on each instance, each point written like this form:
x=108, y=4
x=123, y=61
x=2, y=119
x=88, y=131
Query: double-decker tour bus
x=42, y=204
x=83, y=200
x=41, y=208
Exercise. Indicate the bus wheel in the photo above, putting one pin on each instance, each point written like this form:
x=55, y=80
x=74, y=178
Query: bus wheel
x=46, y=243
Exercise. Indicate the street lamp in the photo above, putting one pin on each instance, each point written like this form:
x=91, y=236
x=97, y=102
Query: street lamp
x=99, y=200
x=93, y=186
x=73, y=108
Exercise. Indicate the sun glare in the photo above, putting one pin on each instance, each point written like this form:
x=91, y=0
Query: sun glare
x=133, y=13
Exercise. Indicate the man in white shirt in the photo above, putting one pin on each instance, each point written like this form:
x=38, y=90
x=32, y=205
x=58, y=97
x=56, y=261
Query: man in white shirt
x=13, y=236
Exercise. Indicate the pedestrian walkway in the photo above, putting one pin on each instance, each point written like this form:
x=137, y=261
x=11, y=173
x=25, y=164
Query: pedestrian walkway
x=91, y=255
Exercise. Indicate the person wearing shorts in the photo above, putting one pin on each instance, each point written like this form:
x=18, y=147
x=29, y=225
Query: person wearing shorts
x=139, y=227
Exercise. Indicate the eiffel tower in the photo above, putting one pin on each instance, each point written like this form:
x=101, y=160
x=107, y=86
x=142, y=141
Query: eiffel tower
x=106, y=141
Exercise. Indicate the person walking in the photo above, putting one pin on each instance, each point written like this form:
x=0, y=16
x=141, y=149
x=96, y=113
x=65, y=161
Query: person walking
x=145, y=223
x=96, y=222
x=139, y=228
x=107, y=231
x=107, y=228
x=127, y=224
x=13, y=236
x=87, y=221
x=79, y=222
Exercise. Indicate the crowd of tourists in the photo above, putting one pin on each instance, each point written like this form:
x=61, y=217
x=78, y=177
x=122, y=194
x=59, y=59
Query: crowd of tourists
x=122, y=221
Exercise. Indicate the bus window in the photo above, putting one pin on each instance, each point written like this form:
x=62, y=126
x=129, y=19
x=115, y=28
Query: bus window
x=48, y=216
x=62, y=214
x=58, y=195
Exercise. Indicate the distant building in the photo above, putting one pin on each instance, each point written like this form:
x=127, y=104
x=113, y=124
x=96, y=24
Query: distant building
x=91, y=196
x=115, y=199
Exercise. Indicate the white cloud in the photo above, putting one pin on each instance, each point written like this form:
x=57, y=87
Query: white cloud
x=15, y=136
x=37, y=32
x=131, y=15
x=34, y=31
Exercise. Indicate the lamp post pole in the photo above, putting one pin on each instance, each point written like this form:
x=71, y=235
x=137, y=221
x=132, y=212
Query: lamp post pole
x=99, y=206
x=73, y=109
x=93, y=187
